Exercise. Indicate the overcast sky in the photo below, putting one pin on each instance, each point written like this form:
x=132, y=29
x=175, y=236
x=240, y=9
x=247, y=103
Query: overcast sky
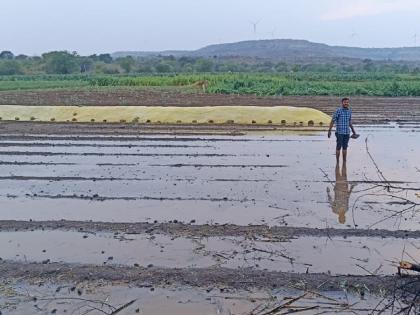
x=96, y=26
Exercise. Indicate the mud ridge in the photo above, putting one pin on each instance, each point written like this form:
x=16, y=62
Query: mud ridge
x=96, y=197
x=246, y=278
x=94, y=179
x=55, y=134
x=34, y=163
x=129, y=146
x=219, y=165
x=273, y=233
x=75, y=178
x=29, y=153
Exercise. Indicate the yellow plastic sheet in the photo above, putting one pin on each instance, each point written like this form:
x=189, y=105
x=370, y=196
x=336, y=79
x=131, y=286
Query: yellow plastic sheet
x=171, y=115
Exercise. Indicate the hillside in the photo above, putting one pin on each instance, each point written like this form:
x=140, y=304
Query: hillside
x=289, y=49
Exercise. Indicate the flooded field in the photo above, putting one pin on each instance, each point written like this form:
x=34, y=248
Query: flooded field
x=274, y=179
x=358, y=255
x=185, y=212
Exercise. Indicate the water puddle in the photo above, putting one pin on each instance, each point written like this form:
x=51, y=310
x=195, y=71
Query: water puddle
x=357, y=255
x=97, y=298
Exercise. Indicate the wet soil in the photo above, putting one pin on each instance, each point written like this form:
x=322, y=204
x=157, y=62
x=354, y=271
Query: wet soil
x=178, y=229
x=234, y=209
x=241, y=278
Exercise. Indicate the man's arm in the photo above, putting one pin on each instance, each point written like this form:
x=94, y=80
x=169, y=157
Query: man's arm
x=352, y=128
x=351, y=124
x=334, y=118
x=330, y=128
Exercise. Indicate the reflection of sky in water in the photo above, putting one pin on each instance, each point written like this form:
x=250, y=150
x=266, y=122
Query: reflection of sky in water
x=316, y=253
x=190, y=188
x=178, y=301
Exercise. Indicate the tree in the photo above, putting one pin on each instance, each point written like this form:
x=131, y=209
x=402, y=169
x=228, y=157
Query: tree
x=107, y=58
x=163, y=67
x=86, y=64
x=6, y=54
x=21, y=57
x=296, y=68
x=10, y=67
x=186, y=60
x=126, y=63
x=416, y=70
x=281, y=67
x=368, y=65
x=60, y=62
x=144, y=67
x=204, y=65
x=110, y=68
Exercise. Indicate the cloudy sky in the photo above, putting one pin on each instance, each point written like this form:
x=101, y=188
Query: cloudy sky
x=95, y=26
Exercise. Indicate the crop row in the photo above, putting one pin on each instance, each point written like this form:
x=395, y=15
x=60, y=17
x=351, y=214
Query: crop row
x=375, y=84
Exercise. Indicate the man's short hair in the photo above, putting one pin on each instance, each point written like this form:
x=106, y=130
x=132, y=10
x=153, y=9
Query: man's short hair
x=345, y=99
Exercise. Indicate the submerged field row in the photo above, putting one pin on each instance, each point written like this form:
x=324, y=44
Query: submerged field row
x=49, y=153
x=358, y=255
x=152, y=138
x=96, y=145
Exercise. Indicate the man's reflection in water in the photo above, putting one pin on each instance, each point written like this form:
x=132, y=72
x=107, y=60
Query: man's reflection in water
x=342, y=191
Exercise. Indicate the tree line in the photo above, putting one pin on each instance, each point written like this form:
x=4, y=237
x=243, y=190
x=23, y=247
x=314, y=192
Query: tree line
x=64, y=62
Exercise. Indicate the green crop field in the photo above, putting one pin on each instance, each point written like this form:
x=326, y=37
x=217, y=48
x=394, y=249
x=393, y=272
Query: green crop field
x=304, y=83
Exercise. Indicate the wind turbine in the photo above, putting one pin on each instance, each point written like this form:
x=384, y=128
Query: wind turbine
x=254, y=25
x=353, y=37
x=273, y=33
x=415, y=39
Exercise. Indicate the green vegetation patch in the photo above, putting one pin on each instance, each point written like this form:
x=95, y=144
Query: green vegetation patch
x=301, y=83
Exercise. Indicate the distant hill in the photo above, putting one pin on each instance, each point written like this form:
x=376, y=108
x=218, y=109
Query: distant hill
x=288, y=50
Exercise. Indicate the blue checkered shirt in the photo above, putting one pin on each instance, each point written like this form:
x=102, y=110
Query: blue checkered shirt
x=342, y=119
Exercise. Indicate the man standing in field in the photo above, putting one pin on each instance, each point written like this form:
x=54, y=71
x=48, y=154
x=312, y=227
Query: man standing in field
x=342, y=121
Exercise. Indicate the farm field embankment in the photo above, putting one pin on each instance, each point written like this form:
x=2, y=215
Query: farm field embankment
x=376, y=97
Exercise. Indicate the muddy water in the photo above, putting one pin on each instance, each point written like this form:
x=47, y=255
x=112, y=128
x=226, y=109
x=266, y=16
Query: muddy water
x=89, y=297
x=273, y=178
x=359, y=255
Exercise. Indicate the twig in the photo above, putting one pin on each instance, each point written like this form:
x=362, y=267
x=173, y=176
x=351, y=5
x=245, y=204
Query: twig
x=369, y=272
x=326, y=176
x=122, y=307
x=93, y=308
x=393, y=215
x=78, y=299
x=277, y=308
x=300, y=310
x=374, y=163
